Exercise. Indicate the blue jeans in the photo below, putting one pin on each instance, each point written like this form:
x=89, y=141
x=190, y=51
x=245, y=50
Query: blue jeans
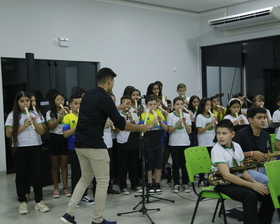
x=259, y=175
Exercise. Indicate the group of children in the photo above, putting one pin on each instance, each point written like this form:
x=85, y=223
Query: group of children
x=191, y=121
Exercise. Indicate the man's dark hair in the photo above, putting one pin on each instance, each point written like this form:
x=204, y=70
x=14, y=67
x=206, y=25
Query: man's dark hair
x=75, y=96
x=126, y=97
x=150, y=98
x=80, y=91
x=252, y=111
x=104, y=74
x=226, y=123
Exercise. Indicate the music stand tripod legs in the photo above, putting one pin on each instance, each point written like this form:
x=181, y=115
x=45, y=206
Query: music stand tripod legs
x=152, y=140
x=143, y=209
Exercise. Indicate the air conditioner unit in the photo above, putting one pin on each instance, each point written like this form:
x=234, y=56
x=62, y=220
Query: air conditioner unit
x=252, y=18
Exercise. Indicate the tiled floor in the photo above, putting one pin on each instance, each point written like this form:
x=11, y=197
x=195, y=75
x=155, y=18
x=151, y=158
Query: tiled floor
x=178, y=212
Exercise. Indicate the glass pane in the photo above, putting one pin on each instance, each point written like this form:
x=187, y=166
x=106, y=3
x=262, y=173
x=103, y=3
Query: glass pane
x=213, y=80
x=230, y=83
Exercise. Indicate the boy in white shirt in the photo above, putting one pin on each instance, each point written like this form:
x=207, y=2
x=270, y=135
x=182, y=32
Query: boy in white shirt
x=226, y=154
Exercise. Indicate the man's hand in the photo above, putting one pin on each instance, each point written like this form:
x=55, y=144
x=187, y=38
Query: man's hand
x=143, y=128
x=124, y=105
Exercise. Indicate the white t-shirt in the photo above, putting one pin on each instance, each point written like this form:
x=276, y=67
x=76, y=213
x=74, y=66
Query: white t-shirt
x=276, y=118
x=278, y=135
x=269, y=116
x=39, y=136
x=58, y=128
x=207, y=137
x=28, y=137
x=230, y=117
x=219, y=154
x=180, y=136
x=122, y=136
x=164, y=101
x=107, y=137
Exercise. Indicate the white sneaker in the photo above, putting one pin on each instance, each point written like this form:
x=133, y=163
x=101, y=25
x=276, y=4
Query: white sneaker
x=125, y=191
x=23, y=208
x=176, y=189
x=138, y=189
x=41, y=207
x=186, y=188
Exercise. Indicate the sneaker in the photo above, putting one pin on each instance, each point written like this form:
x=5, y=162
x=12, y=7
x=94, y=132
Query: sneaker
x=186, y=188
x=176, y=189
x=56, y=193
x=201, y=185
x=138, y=189
x=157, y=188
x=151, y=189
x=41, y=207
x=125, y=191
x=87, y=200
x=105, y=222
x=66, y=218
x=113, y=192
x=66, y=192
x=23, y=208
x=78, y=205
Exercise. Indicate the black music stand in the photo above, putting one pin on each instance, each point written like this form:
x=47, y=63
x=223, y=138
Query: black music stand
x=136, y=141
x=152, y=140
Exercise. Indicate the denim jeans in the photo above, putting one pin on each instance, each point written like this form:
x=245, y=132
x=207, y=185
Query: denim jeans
x=259, y=175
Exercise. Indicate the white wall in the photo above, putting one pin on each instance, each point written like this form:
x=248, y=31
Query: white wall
x=208, y=36
x=140, y=45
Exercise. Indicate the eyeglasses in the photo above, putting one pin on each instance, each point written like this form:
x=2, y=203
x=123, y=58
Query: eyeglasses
x=59, y=99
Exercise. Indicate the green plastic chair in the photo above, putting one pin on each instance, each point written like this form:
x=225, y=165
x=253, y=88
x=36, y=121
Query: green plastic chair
x=272, y=171
x=198, y=161
x=272, y=138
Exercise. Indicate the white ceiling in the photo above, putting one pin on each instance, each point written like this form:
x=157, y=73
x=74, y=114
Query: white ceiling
x=191, y=5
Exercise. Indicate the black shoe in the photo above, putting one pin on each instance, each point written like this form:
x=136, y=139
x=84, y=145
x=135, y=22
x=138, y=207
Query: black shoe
x=66, y=218
x=87, y=200
x=105, y=222
x=113, y=192
x=151, y=189
x=157, y=188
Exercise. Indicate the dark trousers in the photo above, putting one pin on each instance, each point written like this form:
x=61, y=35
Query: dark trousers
x=28, y=163
x=75, y=169
x=178, y=160
x=193, y=139
x=115, y=171
x=128, y=162
x=249, y=199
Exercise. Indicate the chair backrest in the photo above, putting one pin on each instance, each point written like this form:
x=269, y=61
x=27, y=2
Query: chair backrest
x=272, y=138
x=272, y=170
x=197, y=161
